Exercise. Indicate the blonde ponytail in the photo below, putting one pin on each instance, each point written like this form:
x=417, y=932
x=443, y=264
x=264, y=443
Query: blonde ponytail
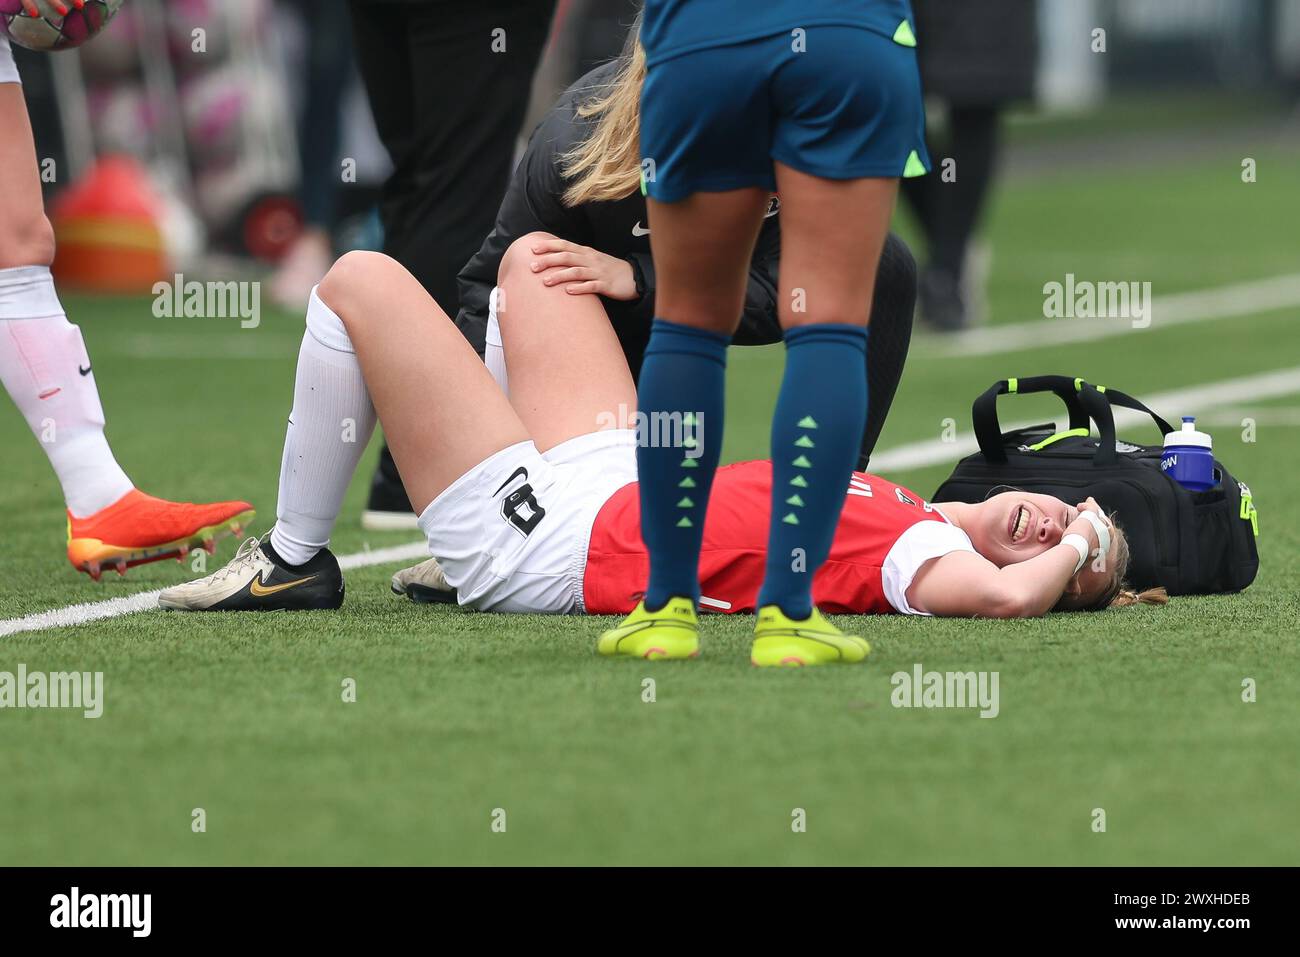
x=607, y=164
x=1126, y=596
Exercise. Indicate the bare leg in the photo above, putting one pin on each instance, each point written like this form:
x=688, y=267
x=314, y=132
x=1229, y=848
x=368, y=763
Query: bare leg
x=829, y=230
x=442, y=413
x=26, y=238
x=45, y=369
x=43, y=362
x=832, y=233
x=702, y=246
x=568, y=376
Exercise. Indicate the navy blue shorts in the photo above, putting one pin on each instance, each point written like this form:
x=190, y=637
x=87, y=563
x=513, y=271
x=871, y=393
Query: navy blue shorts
x=848, y=106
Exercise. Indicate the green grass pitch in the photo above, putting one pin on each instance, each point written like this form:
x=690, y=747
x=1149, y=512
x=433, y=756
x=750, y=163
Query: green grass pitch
x=1138, y=712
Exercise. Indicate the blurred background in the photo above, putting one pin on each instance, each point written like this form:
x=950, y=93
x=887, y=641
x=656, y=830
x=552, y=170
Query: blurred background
x=241, y=134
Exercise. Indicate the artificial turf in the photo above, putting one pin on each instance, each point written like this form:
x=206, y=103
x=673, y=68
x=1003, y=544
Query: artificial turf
x=1138, y=711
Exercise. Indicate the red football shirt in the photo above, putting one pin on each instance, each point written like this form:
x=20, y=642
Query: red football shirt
x=886, y=533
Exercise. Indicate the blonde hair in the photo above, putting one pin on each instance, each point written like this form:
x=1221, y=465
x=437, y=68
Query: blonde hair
x=607, y=164
x=1148, y=596
x=1121, y=594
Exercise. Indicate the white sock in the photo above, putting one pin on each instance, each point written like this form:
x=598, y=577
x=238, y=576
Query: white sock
x=8, y=69
x=331, y=423
x=494, y=352
x=42, y=356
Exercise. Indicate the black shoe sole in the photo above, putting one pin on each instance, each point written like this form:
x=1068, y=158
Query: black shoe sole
x=424, y=595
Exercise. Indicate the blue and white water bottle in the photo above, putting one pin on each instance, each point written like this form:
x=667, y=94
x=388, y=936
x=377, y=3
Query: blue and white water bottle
x=1188, y=457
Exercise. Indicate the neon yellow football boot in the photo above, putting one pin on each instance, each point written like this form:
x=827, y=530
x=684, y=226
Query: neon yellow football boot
x=670, y=632
x=779, y=640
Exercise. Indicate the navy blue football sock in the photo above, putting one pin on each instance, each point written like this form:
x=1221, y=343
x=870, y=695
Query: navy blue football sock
x=816, y=435
x=680, y=400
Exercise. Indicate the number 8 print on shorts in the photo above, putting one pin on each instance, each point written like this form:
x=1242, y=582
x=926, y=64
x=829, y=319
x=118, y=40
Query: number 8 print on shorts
x=520, y=508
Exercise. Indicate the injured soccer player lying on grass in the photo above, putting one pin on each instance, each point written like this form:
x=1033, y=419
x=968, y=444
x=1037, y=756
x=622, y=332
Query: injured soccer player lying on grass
x=529, y=501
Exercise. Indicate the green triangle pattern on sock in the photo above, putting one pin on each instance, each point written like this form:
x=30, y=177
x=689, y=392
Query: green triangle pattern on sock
x=686, y=502
x=687, y=482
x=799, y=481
x=804, y=442
x=801, y=463
x=791, y=519
x=685, y=522
x=794, y=500
x=807, y=422
x=914, y=166
x=904, y=36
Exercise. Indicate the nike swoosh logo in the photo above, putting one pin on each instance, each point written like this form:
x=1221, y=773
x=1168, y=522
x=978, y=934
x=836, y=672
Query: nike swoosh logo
x=261, y=591
x=639, y=230
x=85, y=371
x=520, y=472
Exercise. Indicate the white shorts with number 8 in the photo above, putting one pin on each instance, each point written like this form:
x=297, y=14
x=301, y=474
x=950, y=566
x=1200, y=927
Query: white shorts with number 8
x=511, y=534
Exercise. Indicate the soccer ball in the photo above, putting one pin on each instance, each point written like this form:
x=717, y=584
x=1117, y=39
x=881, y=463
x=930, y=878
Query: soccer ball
x=53, y=31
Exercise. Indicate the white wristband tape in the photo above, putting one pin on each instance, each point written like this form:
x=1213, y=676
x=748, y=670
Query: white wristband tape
x=1080, y=545
x=1103, y=530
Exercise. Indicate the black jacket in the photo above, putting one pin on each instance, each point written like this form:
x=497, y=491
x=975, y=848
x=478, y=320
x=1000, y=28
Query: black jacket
x=618, y=228
x=977, y=54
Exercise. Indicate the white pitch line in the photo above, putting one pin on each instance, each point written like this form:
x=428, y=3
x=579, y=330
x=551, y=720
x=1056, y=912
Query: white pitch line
x=1179, y=402
x=381, y=556
x=1219, y=302
x=148, y=600
x=1233, y=418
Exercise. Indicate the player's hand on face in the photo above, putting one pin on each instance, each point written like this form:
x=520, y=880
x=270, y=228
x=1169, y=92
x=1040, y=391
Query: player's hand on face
x=1081, y=526
x=583, y=270
x=1090, y=505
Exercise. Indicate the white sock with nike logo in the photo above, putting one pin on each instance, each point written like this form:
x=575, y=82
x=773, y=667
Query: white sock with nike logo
x=330, y=425
x=46, y=371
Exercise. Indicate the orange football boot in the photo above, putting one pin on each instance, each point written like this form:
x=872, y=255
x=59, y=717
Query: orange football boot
x=139, y=528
